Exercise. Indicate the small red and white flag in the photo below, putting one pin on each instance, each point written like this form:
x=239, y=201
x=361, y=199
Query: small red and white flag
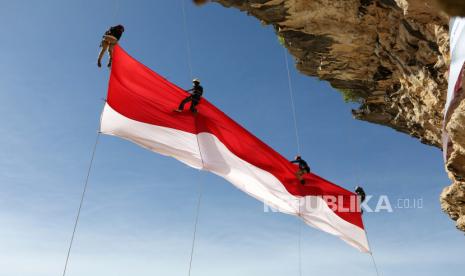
x=139, y=108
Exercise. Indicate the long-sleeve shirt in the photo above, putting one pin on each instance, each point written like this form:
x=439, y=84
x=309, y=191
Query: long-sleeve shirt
x=197, y=91
x=361, y=193
x=302, y=164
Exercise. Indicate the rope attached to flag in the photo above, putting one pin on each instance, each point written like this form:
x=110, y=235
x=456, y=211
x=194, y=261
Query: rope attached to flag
x=83, y=195
x=199, y=200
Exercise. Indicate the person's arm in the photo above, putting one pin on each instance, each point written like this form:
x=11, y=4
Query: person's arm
x=294, y=161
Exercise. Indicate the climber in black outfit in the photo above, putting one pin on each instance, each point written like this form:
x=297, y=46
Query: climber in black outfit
x=361, y=195
x=194, y=97
x=303, y=168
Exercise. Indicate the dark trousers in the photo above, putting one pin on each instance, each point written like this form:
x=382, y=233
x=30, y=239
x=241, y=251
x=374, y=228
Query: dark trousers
x=195, y=101
x=300, y=173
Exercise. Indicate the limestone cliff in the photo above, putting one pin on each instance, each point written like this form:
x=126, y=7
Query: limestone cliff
x=391, y=56
x=452, y=7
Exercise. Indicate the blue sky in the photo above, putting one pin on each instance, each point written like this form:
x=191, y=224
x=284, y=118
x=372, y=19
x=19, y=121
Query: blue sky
x=139, y=212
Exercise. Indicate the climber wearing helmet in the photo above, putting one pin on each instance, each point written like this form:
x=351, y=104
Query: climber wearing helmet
x=194, y=97
x=109, y=40
x=303, y=168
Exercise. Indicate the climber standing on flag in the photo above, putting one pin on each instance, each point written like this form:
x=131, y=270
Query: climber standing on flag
x=195, y=97
x=303, y=168
x=109, y=40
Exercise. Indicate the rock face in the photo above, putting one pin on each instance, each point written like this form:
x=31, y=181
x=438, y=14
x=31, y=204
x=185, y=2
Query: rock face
x=391, y=56
x=453, y=7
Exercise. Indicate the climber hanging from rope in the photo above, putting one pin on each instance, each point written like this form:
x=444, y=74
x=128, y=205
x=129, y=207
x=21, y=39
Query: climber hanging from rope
x=109, y=40
x=194, y=97
x=361, y=195
x=303, y=168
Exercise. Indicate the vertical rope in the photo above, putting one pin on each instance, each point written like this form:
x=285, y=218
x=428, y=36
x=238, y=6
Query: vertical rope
x=197, y=213
x=199, y=200
x=297, y=140
x=374, y=263
x=116, y=10
x=371, y=254
x=186, y=33
x=80, y=204
x=358, y=171
x=291, y=96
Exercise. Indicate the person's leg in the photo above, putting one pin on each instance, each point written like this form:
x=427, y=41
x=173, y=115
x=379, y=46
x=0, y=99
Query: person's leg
x=105, y=46
x=299, y=175
x=110, y=54
x=194, y=103
x=186, y=100
x=112, y=42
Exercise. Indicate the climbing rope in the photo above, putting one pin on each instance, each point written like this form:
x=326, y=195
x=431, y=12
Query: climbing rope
x=371, y=254
x=197, y=210
x=86, y=182
x=76, y=221
x=358, y=171
x=197, y=213
x=187, y=38
x=296, y=131
x=291, y=96
x=374, y=263
x=116, y=9
x=199, y=199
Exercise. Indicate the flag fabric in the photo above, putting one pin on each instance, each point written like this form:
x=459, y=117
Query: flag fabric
x=456, y=70
x=140, y=108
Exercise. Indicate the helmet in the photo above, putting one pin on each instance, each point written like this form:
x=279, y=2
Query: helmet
x=120, y=27
x=196, y=80
x=298, y=157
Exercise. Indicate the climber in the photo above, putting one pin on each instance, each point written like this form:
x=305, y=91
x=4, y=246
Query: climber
x=194, y=97
x=109, y=40
x=303, y=168
x=361, y=195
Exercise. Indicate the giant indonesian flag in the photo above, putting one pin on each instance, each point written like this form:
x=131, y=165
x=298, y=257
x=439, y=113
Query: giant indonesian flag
x=140, y=108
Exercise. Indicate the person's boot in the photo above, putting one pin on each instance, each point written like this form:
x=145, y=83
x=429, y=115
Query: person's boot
x=109, y=63
x=99, y=63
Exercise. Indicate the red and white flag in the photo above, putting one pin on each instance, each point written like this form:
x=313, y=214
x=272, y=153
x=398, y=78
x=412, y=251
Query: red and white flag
x=140, y=108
